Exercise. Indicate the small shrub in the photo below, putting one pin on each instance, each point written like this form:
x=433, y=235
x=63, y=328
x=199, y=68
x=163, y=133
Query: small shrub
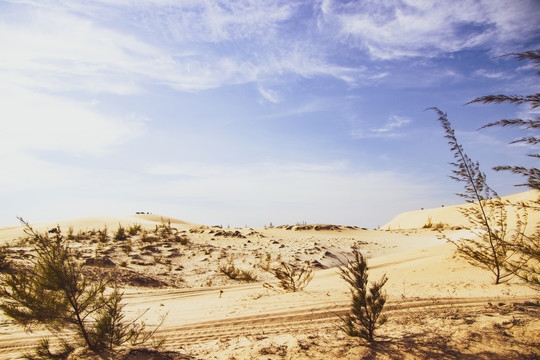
x=429, y=223
x=53, y=292
x=165, y=229
x=134, y=229
x=70, y=234
x=292, y=278
x=438, y=226
x=103, y=235
x=367, y=304
x=181, y=239
x=120, y=234
x=232, y=272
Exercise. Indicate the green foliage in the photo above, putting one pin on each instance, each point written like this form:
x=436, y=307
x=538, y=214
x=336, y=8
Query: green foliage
x=54, y=292
x=292, y=277
x=367, y=303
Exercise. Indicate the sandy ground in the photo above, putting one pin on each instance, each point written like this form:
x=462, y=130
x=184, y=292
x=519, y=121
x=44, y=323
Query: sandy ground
x=439, y=306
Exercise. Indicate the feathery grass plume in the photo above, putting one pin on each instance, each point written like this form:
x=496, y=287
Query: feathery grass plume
x=488, y=217
x=53, y=292
x=527, y=264
x=530, y=126
x=292, y=277
x=367, y=303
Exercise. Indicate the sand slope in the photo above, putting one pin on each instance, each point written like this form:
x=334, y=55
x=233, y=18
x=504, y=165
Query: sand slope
x=439, y=306
x=450, y=216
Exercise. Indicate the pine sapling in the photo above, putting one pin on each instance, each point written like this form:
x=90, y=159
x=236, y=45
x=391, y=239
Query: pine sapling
x=367, y=301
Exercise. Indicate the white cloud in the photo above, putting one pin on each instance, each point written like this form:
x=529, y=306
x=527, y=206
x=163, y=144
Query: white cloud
x=65, y=46
x=34, y=121
x=270, y=95
x=427, y=28
x=390, y=129
x=490, y=74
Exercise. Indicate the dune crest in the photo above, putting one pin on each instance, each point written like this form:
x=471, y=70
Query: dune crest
x=450, y=216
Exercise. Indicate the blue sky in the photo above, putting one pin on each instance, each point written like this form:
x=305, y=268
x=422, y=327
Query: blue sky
x=249, y=112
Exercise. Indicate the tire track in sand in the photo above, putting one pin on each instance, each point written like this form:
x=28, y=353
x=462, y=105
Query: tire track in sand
x=312, y=316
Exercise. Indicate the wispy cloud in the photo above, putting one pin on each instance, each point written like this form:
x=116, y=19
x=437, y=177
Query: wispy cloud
x=66, y=46
x=392, y=128
x=428, y=28
x=490, y=74
x=270, y=95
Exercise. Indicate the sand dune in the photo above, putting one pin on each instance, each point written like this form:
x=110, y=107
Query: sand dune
x=439, y=305
x=450, y=216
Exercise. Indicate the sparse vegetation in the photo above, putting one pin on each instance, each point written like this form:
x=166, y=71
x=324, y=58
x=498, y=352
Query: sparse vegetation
x=488, y=216
x=505, y=251
x=526, y=263
x=127, y=246
x=428, y=224
x=367, y=304
x=134, y=229
x=120, y=234
x=232, y=272
x=103, y=235
x=292, y=277
x=53, y=292
x=165, y=229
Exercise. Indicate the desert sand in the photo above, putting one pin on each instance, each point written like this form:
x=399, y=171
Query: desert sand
x=439, y=306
